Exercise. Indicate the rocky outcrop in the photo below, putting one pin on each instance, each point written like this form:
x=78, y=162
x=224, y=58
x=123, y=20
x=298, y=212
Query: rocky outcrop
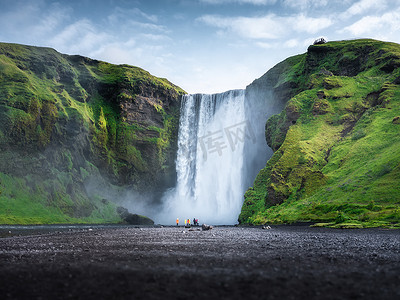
x=133, y=219
x=68, y=120
x=341, y=100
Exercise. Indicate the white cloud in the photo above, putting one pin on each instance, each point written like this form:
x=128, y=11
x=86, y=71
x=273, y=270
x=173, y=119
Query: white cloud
x=291, y=43
x=265, y=45
x=365, y=25
x=116, y=54
x=305, y=4
x=363, y=6
x=267, y=27
x=254, y=2
x=133, y=21
x=80, y=37
x=155, y=37
x=151, y=18
x=52, y=19
x=310, y=25
x=254, y=28
x=33, y=21
x=205, y=77
x=258, y=38
x=387, y=24
x=119, y=14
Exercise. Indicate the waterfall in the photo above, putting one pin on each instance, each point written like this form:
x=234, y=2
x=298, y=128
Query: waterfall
x=218, y=145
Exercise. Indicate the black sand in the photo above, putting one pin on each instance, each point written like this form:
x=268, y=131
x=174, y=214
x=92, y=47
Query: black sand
x=223, y=263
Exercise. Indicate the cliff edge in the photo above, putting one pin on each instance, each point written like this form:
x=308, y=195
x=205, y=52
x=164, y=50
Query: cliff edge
x=70, y=126
x=336, y=143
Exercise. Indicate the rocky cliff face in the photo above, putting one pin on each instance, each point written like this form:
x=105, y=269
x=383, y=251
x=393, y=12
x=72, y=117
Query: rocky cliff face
x=66, y=121
x=335, y=143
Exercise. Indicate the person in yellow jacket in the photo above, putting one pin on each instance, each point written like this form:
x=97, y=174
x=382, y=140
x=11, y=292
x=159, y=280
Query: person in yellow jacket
x=185, y=222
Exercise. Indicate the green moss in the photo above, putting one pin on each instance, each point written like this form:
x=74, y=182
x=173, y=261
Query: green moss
x=70, y=108
x=342, y=152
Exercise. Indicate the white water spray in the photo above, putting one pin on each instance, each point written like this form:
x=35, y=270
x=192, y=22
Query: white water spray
x=215, y=131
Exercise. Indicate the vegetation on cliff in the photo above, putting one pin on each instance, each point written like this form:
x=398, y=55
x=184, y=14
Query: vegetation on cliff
x=69, y=120
x=336, y=144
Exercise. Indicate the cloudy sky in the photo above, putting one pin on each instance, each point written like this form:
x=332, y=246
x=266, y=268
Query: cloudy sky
x=203, y=46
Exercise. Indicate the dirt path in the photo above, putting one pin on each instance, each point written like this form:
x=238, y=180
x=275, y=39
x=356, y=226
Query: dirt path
x=223, y=263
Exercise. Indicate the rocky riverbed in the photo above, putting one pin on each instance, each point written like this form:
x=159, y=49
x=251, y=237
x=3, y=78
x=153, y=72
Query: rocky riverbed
x=284, y=262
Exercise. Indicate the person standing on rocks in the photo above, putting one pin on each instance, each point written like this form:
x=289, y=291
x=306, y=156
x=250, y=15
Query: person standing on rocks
x=177, y=221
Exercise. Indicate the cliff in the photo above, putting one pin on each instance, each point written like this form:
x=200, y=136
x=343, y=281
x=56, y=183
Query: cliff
x=70, y=125
x=336, y=143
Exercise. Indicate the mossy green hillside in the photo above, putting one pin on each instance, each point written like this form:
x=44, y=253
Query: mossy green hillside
x=65, y=120
x=336, y=143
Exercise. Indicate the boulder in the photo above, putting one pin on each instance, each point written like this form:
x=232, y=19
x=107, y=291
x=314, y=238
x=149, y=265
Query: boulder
x=133, y=219
x=206, y=227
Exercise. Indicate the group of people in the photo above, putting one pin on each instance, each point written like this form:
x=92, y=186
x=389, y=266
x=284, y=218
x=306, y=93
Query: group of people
x=187, y=222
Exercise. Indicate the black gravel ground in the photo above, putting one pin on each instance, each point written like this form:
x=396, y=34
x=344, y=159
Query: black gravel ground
x=283, y=262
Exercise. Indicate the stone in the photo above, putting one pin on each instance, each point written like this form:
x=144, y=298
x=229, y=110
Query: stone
x=205, y=227
x=319, y=41
x=133, y=219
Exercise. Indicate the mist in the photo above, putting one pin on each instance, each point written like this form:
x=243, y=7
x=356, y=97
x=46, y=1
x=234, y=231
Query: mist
x=221, y=148
x=145, y=204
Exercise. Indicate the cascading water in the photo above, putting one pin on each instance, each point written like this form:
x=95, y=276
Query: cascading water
x=217, y=142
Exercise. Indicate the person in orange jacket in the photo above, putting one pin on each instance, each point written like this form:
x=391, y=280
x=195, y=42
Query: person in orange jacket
x=177, y=221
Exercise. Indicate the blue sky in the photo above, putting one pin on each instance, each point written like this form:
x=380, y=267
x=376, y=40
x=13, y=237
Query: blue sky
x=203, y=46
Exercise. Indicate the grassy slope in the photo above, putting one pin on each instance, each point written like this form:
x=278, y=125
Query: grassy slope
x=52, y=106
x=339, y=161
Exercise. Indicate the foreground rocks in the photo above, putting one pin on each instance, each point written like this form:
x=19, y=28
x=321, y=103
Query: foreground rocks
x=223, y=263
x=133, y=219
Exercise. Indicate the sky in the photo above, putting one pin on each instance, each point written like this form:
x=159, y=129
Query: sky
x=203, y=46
